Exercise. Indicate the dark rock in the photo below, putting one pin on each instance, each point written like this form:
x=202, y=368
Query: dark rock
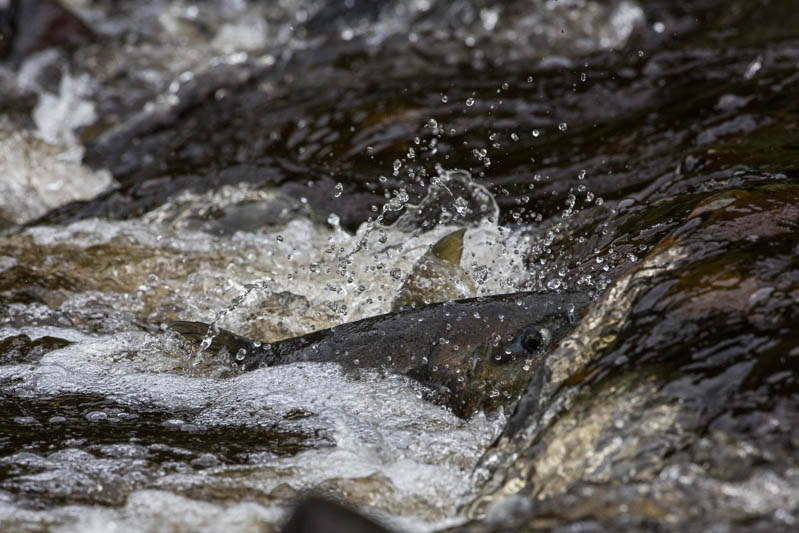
x=21, y=349
x=314, y=515
x=28, y=26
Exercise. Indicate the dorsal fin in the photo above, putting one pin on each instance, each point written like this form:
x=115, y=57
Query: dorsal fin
x=450, y=247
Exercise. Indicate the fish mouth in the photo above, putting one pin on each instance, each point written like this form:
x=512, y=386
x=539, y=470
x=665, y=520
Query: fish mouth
x=489, y=376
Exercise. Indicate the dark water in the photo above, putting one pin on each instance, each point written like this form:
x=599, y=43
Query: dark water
x=645, y=154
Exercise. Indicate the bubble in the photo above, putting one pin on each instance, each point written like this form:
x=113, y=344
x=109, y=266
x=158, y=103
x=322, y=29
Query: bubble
x=279, y=238
x=554, y=283
x=461, y=205
x=396, y=273
x=96, y=416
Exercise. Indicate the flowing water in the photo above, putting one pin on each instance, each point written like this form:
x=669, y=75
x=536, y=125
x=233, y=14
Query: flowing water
x=278, y=168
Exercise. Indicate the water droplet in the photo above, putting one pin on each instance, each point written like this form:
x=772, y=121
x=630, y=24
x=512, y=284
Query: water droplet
x=241, y=354
x=333, y=219
x=582, y=76
x=753, y=68
x=461, y=205
x=640, y=53
x=396, y=273
x=563, y=126
x=581, y=175
x=536, y=133
x=279, y=238
x=432, y=123
x=444, y=98
x=338, y=189
x=514, y=137
x=553, y=284
x=469, y=102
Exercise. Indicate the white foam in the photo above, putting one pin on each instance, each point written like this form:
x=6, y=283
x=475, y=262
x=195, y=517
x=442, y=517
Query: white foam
x=38, y=176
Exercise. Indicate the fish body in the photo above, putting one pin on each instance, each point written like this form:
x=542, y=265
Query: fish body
x=474, y=354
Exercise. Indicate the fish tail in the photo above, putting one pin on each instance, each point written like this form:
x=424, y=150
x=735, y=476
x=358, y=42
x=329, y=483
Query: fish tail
x=195, y=332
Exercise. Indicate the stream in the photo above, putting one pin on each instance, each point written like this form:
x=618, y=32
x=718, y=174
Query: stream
x=276, y=168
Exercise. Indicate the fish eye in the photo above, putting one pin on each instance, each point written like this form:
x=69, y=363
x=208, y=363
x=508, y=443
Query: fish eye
x=535, y=340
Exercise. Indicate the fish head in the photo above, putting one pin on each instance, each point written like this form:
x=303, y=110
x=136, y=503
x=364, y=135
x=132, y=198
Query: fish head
x=487, y=364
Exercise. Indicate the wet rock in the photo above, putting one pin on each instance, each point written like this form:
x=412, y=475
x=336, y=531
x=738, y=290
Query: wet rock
x=741, y=125
x=21, y=349
x=694, y=339
x=23, y=284
x=28, y=26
